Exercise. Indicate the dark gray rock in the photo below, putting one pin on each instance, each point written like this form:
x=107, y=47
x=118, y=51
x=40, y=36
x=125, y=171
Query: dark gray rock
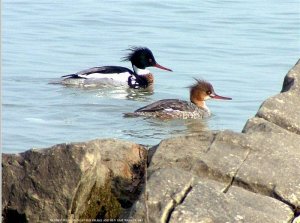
x=272, y=165
x=292, y=79
x=274, y=133
x=175, y=196
x=216, y=156
x=71, y=181
x=248, y=160
x=284, y=109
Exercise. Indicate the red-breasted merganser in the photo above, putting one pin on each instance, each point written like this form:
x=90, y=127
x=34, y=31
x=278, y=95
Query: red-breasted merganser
x=140, y=77
x=175, y=108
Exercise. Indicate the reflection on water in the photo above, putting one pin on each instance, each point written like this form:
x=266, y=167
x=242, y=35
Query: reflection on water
x=111, y=91
x=157, y=129
x=140, y=94
x=196, y=125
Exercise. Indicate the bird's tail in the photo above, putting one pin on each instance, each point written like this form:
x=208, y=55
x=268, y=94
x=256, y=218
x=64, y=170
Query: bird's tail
x=130, y=115
x=69, y=75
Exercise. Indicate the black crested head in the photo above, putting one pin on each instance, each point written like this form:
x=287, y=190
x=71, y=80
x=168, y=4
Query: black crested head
x=141, y=57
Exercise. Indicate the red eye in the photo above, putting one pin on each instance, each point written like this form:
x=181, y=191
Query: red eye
x=150, y=60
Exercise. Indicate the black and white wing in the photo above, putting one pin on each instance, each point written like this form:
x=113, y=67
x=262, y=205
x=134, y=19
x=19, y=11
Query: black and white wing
x=102, y=72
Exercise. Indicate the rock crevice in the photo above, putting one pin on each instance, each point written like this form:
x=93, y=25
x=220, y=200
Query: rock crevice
x=175, y=201
x=225, y=190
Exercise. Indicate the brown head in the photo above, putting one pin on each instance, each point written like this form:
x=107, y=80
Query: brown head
x=202, y=91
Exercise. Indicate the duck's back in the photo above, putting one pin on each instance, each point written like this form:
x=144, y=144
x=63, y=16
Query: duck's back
x=171, y=108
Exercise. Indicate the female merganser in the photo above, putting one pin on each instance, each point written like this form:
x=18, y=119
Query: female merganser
x=175, y=108
x=140, y=77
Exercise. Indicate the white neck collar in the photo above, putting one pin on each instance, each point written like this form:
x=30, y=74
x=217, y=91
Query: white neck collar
x=206, y=108
x=139, y=71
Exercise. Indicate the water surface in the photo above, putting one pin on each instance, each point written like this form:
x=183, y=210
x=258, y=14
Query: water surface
x=244, y=48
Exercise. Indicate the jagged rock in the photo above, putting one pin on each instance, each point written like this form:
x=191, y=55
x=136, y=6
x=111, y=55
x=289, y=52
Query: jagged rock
x=272, y=165
x=275, y=131
x=284, y=109
x=292, y=79
x=175, y=196
x=75, y=181
x=261, y=161
x=215, y=155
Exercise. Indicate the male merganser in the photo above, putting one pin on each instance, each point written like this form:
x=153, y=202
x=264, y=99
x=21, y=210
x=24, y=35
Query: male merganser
x=175, y=108
x=140, y=77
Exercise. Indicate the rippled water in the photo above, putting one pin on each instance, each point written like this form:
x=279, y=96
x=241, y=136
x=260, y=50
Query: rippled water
x=244, y=48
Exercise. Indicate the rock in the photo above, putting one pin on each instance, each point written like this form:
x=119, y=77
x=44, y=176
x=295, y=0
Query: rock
x=247, y=160
x=283, y=109
x=97, y=179
x=164, y=190
x=213, y=155
x=175, y=196
x=292, y=79
x=272, y=167
x=274, y=132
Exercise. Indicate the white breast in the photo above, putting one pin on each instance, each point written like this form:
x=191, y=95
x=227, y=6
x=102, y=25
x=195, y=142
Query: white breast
x=140, y=71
